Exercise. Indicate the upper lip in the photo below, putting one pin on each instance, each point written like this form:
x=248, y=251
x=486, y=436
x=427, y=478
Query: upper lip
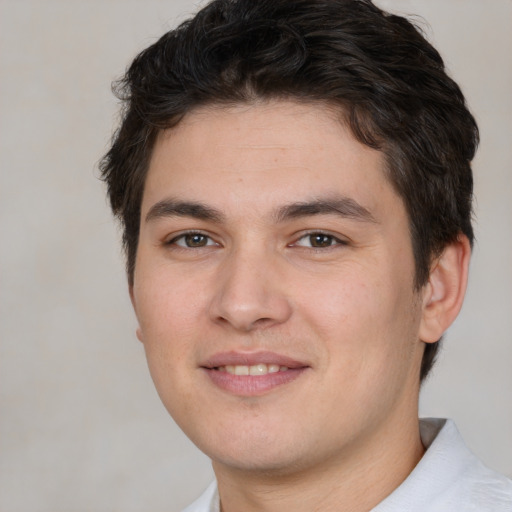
x=240, y=358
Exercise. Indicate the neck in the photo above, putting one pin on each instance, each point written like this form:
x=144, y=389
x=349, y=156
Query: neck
x=354, y=481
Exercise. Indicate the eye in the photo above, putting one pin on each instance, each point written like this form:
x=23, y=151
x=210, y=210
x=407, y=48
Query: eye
x=192, y=240
x=318, y=241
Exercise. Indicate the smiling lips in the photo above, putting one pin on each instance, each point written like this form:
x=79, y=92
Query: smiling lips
x=249, y=375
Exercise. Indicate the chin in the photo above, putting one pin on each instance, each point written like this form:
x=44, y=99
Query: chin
x=269, y=462
x=253, y=449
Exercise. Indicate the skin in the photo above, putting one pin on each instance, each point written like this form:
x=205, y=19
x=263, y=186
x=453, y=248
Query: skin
x=344, y=433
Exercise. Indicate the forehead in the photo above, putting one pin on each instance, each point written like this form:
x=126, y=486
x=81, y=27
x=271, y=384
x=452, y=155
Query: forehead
x=251, y=155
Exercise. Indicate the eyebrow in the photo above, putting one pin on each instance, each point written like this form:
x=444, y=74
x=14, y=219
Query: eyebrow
x=175, y=208
x=342, y=206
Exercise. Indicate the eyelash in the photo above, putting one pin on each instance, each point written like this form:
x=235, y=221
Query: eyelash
x=183, y=236
x=333, y=240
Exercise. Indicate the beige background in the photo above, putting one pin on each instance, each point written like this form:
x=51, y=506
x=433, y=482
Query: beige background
x=81, y=428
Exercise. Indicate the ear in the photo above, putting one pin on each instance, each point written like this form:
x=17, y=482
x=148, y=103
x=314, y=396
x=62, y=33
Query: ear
x=138, y=332
x=443, y=295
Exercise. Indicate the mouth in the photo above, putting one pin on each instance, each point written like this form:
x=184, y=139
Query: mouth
x=253, y=370
x=252, y=374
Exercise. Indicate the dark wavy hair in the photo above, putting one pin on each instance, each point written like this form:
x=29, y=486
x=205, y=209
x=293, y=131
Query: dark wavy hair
x=387, y=81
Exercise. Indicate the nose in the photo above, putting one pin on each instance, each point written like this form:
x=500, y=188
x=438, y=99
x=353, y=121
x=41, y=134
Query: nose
x=250, y=294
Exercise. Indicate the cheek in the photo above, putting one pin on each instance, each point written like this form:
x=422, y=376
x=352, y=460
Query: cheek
x=366, y=317
x=342, y=303
x=167, y=319
x=167, y=304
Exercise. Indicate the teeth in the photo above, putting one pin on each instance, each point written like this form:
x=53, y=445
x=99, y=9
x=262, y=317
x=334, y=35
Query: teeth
x=257, y=369
x=241, y=370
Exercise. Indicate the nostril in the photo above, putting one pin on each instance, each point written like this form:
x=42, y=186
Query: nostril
x=263, y=322
x=247, y=326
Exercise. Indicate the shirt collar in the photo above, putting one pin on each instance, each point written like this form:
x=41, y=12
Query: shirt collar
x=444, y=461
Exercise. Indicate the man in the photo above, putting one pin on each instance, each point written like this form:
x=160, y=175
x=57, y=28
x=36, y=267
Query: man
x=293, y=179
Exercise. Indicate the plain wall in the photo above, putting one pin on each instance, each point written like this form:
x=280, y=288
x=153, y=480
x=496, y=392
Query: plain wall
x=81, y=427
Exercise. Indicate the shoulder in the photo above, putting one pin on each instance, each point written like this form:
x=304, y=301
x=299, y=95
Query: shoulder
x=484, y=489
x=472, y=485
x=449, y=478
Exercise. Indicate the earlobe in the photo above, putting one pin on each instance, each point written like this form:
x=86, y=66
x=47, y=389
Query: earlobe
x=443, y=295
x=138, y=331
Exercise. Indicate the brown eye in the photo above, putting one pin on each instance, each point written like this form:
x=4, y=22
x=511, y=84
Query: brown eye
x=196, y=240
x=321, y=240
x=192, y=241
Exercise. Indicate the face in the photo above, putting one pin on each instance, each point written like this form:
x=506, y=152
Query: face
x=274, y=287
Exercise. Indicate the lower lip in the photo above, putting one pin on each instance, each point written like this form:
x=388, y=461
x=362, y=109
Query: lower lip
x=252, y=385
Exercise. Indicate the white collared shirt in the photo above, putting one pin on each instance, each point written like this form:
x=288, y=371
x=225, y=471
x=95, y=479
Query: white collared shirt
x=448, y=478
